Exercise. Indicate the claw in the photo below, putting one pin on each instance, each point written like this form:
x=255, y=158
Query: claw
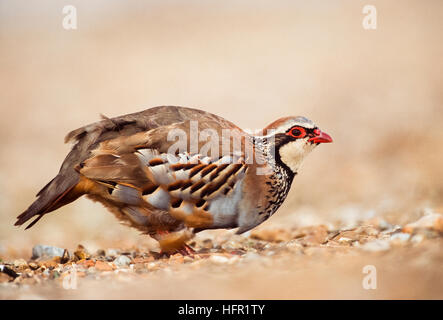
x=175, y=242
x=185, y=250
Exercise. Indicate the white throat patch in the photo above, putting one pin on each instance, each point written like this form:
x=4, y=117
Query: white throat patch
x=293, y=153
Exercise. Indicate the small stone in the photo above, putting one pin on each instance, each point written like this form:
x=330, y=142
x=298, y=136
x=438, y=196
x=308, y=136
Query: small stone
x=65, y=257
x=272, y=235
x=109, y=258
x=44, y=251
x=368, y=230
x=232, y=245
x=177, y=258
x=376, y=245
x=351, y=235
x=86, y=263
x=207, y=244
x=433, y=221
x=144, y=260
x=20, y=263
x=219, y=259
x=122, y=261
x=345, y=240
x=315, y=235
x=152, y=266
x=400, y=237
x=384, y=225
x=81, y=253
x=103, y=266
x=33, y=266
x=50, y=264
x=101, y=253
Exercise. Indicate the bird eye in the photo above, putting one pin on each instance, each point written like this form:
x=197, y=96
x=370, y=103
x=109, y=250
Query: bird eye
x=297, y=132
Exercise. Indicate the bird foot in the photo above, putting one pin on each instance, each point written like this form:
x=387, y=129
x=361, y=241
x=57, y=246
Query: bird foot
x=186, y=250
x=175, y=242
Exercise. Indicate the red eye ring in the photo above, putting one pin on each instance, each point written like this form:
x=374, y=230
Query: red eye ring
x=297, y=132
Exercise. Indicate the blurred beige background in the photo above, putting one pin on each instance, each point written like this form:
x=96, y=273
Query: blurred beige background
x=378, y=93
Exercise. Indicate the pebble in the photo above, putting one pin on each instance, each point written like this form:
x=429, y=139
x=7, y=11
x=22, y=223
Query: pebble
x=20, y=263
x=264, y=247
x=176, y=259
x=272, y=235
x=218, y=259
x=33, y=266
x=151, y=266
x=232, y=245
x=345, y=240
x=103, y=266
x=315, y=235
x=122, y=261
x=376, y=245
x=207, y=244
x=433, y=221
x=85, y=263
x=51, y=264
x=400, y=237
x=144, y=260
x=81, y=254
x=44, y=251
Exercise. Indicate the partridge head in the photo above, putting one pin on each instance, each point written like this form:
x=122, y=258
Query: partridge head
x=173, y=171
x=295, y=138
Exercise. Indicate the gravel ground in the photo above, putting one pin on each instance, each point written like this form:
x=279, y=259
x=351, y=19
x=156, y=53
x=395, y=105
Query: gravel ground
x=285, y=263
x=376, y=92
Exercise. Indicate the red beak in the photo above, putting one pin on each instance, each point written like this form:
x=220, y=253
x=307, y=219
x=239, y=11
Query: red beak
x=321, y=137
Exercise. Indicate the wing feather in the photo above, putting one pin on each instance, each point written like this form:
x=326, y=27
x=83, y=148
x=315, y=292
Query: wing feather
x=185, y=188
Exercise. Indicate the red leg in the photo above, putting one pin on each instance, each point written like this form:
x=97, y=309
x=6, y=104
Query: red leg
x=174, y=242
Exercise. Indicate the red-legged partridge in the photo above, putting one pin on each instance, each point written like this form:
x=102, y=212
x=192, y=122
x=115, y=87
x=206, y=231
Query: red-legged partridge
x=173, y=171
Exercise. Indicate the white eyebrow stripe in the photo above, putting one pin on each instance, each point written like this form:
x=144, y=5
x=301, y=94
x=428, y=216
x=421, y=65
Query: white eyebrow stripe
x=302, y=122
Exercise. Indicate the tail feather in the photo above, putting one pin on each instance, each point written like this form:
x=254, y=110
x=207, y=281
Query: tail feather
x=51, y=197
